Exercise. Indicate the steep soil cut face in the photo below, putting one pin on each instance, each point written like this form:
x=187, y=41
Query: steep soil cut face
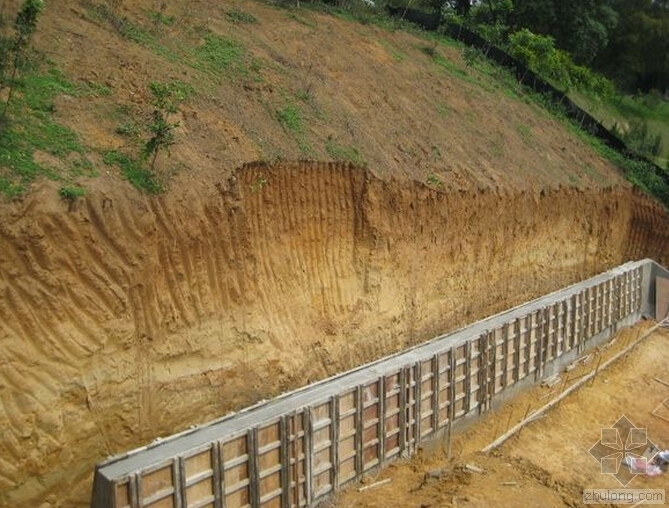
x=127, y=318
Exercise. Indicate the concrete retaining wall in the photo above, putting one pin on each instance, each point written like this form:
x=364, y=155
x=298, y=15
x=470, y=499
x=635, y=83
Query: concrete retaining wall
x=297, y=449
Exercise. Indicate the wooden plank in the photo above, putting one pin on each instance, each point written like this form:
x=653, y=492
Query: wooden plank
x=179, y=468
x=435, y=392
x=134, y=487
x=334, y=437
x=491, y=370
x=417, y=417
x=285, y=462
x=552, y=316
x=403, y=410
x=308, y=453
x=585, y=306
x=138, y=498
x=451, y=387
x=359, y=466
x=254, y=474
x=528, y=346
x=505, y=355
x=468, y=373
x=382, y=418
x=219, y=478
x=482, y=373
x=573, y=317
x=541, y=339
x=563, y=326
x=580, y=313
x=516, y=352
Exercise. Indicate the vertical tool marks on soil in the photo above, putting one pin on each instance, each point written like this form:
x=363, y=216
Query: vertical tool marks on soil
x=128, y=318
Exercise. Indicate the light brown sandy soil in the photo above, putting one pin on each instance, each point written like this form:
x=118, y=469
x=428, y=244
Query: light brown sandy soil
x=125, y=317
x=547, y=464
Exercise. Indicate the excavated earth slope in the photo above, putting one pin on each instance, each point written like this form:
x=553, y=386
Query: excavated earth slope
x=127, y=318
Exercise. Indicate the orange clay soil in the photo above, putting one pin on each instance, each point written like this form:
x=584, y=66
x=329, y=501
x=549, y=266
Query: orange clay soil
x=124, y=317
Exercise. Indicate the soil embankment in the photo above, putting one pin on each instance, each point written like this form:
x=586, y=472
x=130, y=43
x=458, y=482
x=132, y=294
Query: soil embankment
x=126, y=318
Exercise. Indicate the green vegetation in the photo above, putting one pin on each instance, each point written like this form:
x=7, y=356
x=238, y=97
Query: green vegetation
x=14, y=49
x=30, y=128
x=344, y=153
x=71, y=193
x=140, y=170
x=160, y=18
x=434, y=181
x=223, y=56
x=240, y=17
x=290, y=118
x=259, y=184
x=165, y=98
x=135, y=171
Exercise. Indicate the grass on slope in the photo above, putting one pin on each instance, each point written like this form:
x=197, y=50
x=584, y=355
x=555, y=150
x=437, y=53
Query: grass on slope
x=32, y=143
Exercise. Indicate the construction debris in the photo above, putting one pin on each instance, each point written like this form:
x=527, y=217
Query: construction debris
x=375, y=484
x=474, y=468
x=550, y=382
x=436, y=473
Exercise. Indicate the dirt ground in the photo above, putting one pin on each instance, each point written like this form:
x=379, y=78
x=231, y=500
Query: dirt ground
x=125, y=317
x=547, y=464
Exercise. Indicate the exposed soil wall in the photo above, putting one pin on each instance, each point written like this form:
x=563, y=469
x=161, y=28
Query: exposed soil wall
x=122, y=319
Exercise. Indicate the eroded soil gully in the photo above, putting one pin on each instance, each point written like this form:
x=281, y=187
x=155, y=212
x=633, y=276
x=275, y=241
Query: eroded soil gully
x=125, y=318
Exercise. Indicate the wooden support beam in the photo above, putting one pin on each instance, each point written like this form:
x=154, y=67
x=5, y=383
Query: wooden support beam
x=403, y=410
x=541, y=342
x=505, y=355
x=135, y=488
x=492, y=370
x=179, y=468
x=418, y=416
x=382, y=419
x=528, y=348
x=285, y=461
x=219, y=476
x=254, y=474
x=468, y=374
x=308, y=454
x=435, y=392
x=334, y=437
x=451, y=386
x=516, y=351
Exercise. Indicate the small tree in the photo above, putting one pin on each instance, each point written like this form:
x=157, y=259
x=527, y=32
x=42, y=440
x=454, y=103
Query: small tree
x=165, y=101
x=14, y=50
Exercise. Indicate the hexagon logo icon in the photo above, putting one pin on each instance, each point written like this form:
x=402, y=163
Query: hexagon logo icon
x=620, y=450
